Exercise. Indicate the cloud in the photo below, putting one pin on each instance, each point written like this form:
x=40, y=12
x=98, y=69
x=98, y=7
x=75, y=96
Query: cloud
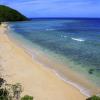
x=60, y=8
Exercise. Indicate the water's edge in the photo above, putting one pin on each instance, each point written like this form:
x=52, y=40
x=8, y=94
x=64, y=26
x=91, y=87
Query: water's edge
x=33, y=55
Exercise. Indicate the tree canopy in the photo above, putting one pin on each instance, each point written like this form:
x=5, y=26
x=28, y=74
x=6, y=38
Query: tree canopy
x=9, y=14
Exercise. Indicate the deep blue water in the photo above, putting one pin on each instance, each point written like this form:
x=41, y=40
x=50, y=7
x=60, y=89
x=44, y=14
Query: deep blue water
x=77, y=40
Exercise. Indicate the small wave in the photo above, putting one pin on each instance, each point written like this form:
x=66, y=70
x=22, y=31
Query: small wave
x=49, y=29
x=83, y=90
x=64, y=36
x=78, y=39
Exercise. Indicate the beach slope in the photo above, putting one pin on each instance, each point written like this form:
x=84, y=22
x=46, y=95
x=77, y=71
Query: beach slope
x=18, y=67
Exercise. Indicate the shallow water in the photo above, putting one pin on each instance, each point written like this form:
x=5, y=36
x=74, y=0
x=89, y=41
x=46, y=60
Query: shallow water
x=75, y=43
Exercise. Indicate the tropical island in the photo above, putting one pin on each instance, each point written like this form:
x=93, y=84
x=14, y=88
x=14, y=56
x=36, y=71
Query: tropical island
x=50, y=82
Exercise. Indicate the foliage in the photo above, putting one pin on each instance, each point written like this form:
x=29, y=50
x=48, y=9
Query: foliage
x=9, y=14
x=12, y=91
x=27, y=97
x=4, y=94
x=17, y=89
x=2, y=81
x=94, y=98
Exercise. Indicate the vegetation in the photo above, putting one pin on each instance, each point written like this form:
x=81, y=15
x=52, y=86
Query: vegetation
x=2, y=81
x=26, y=97
x=17, y=89
x=91, y=71
x=9, y=14
x=4, y=94
x=12, y=92
x=94, y=98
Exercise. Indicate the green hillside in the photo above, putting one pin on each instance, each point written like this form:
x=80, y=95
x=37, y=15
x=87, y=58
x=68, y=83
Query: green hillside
x=9, y=14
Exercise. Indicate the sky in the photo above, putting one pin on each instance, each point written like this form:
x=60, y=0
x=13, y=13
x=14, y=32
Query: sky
x=55, y=8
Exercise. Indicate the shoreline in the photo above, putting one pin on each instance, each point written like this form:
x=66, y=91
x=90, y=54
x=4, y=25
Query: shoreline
x=34, y=56
x=22, y=52
x=82, y=89
x=79, y=82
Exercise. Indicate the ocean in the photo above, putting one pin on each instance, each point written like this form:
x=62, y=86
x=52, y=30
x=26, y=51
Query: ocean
x=73, y=44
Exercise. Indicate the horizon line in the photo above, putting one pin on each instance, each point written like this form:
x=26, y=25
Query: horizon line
x=65, y=17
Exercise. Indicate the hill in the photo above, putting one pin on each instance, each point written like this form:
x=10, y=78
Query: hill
x=9, y=14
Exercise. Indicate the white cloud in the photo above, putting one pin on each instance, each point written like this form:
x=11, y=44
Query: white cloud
x=56, y=7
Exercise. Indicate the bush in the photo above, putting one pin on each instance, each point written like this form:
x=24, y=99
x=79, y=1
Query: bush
x=12, y=91
x=17, y=89
x=27, y=97
x=2, y=81
x=94, y=98
x=4, y=94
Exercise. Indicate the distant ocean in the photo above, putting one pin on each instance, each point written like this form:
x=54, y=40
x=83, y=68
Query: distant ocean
x=73, y=42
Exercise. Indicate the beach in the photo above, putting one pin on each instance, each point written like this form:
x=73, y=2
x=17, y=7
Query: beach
x=40, y=82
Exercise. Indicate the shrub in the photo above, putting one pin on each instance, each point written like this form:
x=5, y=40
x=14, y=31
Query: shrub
x=2, y=81
x=4, y=94
x=12, y=91
x=94, y=98
x=17, y=89
x=27, y=97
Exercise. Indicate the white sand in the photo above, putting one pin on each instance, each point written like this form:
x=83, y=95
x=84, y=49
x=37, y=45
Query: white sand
x=38, y=81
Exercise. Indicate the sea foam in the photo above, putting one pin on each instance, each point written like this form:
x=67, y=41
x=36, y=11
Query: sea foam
x=78, y=39
x=82, y=89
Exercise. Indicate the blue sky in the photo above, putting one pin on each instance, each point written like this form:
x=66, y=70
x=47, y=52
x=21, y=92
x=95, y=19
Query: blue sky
x=56, y=8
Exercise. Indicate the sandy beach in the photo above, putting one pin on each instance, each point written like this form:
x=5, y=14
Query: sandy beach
x=18, y=67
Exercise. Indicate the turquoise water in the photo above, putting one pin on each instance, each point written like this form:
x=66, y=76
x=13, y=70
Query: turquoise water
x=76, y=42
